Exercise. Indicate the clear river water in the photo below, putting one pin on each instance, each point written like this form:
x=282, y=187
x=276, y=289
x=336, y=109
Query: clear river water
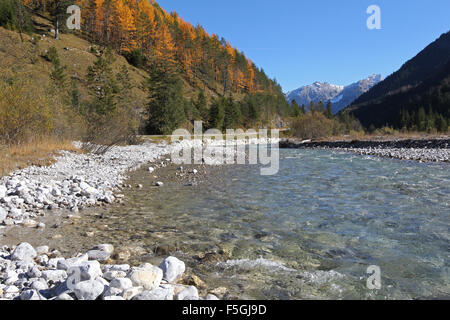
x=309, y=232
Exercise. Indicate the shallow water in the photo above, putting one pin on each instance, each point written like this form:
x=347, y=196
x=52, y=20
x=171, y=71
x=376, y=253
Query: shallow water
x=311, y=231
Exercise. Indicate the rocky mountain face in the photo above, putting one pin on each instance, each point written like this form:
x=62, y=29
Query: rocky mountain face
x=353, y=91
x=339, y=96
x=315, y=92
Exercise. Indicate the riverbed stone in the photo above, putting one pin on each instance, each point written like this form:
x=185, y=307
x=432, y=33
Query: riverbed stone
x=172, y=268
x=99, y=255
x=211, y=297
x=156, y=294
x=64, y=297
x=115, y=298
x=54, y=275
x=195, y=281
x=42, y=249
x=10, y=277
x=39, y=284
x=24, y=251
x=113, y=274
x=189, y=293
x=31, y=295
x=121, y=283
x=53, y=262
x=30, y=223
x=3, y=191
x=3, y=214
x=109, y=248
x=116, y=267
x=146, y=275
x=88, y=290
x=130, y=293
x=65, y=264
x=88, y=270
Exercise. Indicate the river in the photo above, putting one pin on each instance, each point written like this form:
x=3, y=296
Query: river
x=309, y=232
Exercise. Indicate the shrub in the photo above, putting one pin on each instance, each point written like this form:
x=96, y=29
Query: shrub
x=313, y=125
x=24, y=112
x=29, y=112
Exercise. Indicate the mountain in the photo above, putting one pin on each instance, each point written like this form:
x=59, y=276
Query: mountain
x=139, y=40
x=315, y=92
x=421, y=83
x=353, y=91
x=339, y=96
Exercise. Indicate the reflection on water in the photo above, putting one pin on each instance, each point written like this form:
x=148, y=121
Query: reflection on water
x=310, y=231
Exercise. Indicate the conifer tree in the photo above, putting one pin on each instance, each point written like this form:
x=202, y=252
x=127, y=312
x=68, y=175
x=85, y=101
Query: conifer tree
x=57, y=74
x=102, y=85
x=165, y=106
x=295, y=109
x=329, y=111
x=232, y=114
x=201, y=106
x=217, y=114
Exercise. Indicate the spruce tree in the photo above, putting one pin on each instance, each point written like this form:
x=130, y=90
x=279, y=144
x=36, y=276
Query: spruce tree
x=166, y=104
x=295, y=109
x=329, y=111
x=232, y=114
x=253, y=110
x=57, y=74
x=102, y=86
x=217, y=114
x=201, y=106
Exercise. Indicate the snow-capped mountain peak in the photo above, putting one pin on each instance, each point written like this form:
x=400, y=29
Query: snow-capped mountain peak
x=339, y=96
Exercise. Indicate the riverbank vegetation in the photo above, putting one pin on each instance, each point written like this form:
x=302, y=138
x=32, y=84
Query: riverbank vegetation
x=317, y=122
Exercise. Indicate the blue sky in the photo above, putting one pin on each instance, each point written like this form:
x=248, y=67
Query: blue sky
x=299, y=42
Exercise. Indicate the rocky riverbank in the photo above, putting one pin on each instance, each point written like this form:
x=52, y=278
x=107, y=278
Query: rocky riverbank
x=28, y=273
x=75, y=182
x=423, y=150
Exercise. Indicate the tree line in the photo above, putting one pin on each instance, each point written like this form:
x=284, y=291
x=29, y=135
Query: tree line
x=317, y=121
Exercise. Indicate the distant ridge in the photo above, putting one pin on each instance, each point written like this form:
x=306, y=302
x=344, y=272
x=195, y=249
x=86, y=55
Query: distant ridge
x=421, y=83
x=339, y=96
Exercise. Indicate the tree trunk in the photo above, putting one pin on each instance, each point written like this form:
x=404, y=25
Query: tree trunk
x=57, y=29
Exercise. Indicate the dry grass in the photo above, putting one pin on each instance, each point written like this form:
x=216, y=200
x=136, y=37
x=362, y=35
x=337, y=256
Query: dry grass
x=38, y=153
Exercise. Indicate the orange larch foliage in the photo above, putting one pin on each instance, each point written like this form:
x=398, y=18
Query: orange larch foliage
x=142, y=24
